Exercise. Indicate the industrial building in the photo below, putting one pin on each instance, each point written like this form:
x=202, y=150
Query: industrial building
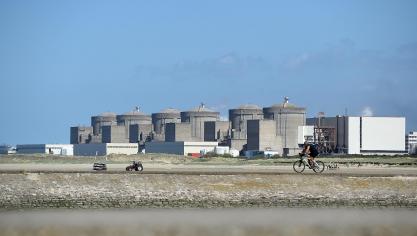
x=280, y=128
x=113, y=134
x=196, y=118
x=97, y=122
x=238, y=118
x=262, y=136
x=218, y=131
x=360, y=135
x=134, y=117
x=411, y=143
x=103, y=149
x=140, y=133
x=161, y=119
x=181, y=148
x=53, y=149
x=177, y=132
x=288, y=117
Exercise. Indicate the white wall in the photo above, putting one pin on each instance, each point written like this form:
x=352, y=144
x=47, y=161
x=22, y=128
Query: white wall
x=122, y=148
x=304, y=131
x=60, y=149
x=180, y=148
x=197, y=147
x=353, y=139
x=383, y=133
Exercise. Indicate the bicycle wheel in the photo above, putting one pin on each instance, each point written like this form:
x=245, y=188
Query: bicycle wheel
x=299, y=166
x=319, y=167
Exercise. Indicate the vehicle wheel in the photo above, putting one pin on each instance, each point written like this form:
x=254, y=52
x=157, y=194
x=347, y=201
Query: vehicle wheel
x=319, y=167
x=299, y=166
x=139, y=168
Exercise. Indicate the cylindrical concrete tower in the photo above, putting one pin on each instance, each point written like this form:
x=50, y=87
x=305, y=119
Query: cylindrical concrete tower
x=132, y=118
x=164, y=117
x=240, y=116
x=288, y=117
x=106, y=118
x=196, y=117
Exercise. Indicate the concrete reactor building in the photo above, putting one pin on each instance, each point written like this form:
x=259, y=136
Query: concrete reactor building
x=278, y=131
x=136, y=121
x=196, y=118
x=104, y=119
x=161, y=119
x=239, y=118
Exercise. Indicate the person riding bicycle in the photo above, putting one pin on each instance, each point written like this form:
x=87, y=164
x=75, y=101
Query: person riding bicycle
x=311, y=151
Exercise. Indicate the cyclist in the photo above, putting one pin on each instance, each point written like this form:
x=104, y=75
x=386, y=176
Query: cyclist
x=311, y=151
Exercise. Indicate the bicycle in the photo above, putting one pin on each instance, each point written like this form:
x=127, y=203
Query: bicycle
x=300, y=165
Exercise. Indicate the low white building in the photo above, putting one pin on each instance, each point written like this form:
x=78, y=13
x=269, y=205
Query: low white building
x=366, y=135
x=180, y=148
x=103, y=149
x=54, y=149
x=411, y=143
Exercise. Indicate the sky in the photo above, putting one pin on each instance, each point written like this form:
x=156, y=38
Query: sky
x=62, y=62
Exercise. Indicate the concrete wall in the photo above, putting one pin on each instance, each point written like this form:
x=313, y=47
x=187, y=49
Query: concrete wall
x=139, y=132
x=81, y=134
x=216, y=130
x=237, y=144
x=353, y=140
x=178, y=132
x=114, y=134
x=262, y=136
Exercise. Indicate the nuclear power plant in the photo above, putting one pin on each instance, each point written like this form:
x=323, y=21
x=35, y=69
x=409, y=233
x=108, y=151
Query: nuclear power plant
x=280, y=128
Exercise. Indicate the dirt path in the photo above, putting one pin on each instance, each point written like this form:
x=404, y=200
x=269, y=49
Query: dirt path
x=209, y=169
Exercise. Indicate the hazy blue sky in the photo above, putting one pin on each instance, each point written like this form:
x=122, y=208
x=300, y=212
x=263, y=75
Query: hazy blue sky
x=63, y=61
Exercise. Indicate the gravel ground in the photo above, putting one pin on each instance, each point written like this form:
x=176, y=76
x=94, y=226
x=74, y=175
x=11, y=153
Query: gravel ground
x=128, y=190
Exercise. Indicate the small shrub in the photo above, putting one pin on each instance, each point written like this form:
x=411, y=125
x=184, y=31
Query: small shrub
x=227, y=155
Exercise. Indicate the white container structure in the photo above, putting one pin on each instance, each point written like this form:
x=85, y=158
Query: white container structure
x=180, y=148
x=53, y=149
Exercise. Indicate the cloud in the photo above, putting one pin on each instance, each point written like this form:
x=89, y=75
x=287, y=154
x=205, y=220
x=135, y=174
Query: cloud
x=340, y=75
x=367, y=111
x=297, y=61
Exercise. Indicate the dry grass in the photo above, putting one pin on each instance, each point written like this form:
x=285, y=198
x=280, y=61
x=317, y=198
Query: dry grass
x=184, y=160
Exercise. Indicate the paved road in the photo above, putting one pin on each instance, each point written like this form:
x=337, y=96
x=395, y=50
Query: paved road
x=278, y=221
x=208, y=169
